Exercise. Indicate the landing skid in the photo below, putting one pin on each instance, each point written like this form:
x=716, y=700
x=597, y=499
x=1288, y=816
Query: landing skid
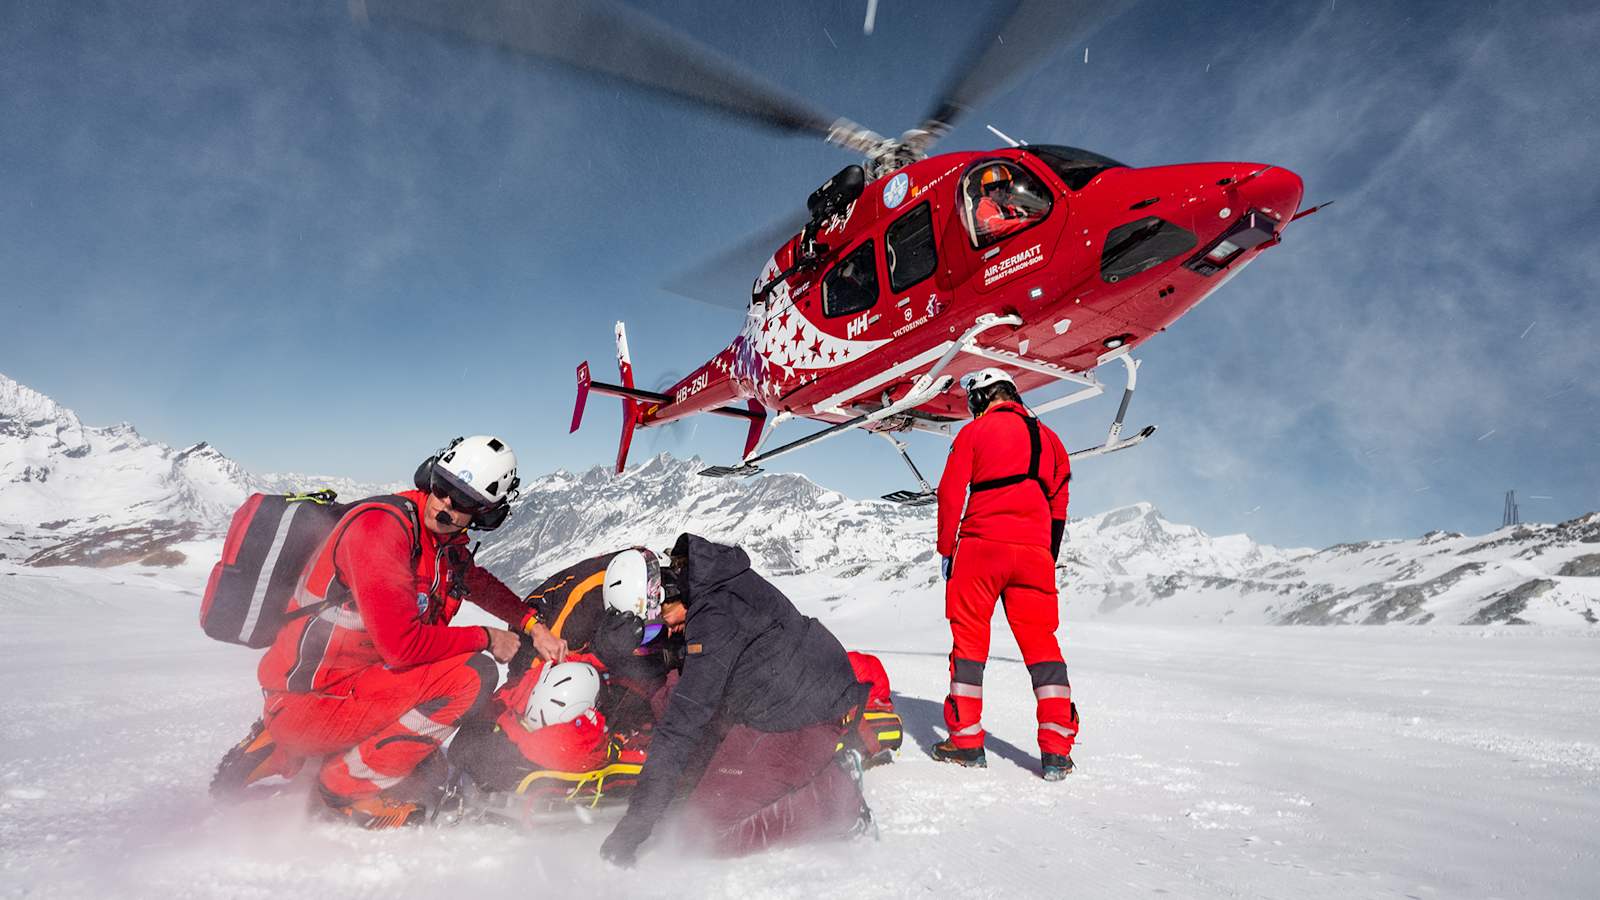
x=1114, y=446
x=1114, y=441
x=730, y=471
x=912, y=498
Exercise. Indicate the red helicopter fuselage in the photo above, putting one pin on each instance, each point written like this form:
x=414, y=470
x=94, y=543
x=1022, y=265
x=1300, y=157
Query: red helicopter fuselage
x=1106, y=257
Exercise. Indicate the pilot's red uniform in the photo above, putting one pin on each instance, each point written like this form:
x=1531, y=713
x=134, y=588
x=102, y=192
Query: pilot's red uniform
x=995, y=220
x=1002, y=510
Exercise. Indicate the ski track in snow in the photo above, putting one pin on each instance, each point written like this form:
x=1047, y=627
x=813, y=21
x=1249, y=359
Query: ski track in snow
x=1215, y=762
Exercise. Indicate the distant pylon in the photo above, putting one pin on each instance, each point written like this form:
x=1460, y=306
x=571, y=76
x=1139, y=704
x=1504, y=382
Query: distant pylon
x=1512, y=516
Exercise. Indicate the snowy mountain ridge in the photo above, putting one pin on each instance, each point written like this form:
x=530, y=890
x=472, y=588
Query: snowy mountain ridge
x=61, y=480
x=71, y=494
x=1128, y=563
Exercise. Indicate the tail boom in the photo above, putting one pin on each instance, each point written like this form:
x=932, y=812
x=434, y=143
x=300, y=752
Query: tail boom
x=643, y=409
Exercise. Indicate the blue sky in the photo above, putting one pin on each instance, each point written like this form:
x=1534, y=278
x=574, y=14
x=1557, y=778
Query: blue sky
x=326, y=247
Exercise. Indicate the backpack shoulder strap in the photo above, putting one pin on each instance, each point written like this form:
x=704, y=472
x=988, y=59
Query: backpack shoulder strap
x=401, y=508
x=408, y=514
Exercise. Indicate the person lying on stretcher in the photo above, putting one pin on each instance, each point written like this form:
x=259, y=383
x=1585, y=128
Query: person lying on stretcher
x=561, y=736
x=574, y=731
x=547, y=743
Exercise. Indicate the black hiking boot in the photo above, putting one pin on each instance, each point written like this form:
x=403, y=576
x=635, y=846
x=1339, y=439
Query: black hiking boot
x=249, y=761
x=865, y=826
x=971, y=757
x=1055, y=766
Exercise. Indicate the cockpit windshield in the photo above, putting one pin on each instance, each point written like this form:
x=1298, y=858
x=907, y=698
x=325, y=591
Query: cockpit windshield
x=1075, y=167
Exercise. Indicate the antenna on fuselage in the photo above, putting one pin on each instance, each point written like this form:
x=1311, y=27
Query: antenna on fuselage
x=1006, y=137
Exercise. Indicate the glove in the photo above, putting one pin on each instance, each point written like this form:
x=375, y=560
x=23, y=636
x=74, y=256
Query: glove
x=619, y=850
x=1058, y=527
x=944, y=567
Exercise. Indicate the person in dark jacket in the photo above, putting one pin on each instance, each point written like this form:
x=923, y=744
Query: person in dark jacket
x=773, y=692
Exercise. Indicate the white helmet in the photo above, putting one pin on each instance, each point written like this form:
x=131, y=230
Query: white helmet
x=563, y=692
x=483, y=466
x=633, y=584
x=981, y=387
x=985, y=377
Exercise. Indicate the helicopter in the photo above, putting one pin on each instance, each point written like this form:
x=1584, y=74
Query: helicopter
x=911, y=270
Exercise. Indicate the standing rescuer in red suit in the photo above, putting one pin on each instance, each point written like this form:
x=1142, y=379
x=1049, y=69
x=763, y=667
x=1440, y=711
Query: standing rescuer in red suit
x=379, y=678
x=1002, y=513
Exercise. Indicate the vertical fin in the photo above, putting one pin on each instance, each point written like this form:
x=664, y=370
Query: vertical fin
x=753, y=436
x=630, y=407
x=583, y=396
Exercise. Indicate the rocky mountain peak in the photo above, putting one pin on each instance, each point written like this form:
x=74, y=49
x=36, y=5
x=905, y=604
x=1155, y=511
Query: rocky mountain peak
x=26, y=414
x=61, y=479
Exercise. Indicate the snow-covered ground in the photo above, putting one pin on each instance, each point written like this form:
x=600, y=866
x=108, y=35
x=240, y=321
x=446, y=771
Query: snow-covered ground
x=1215, y=762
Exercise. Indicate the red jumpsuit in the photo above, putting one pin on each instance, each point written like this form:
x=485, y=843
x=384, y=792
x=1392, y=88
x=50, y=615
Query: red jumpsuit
x=574, y=746
x=573, y=761
x=379, y=680
x=1002, y=508
x=995, y=220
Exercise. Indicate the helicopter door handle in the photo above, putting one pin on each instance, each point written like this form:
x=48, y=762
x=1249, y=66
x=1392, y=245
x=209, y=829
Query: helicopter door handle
x=992, y=252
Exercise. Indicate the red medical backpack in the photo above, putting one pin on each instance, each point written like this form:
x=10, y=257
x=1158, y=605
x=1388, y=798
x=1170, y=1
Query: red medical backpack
x=270, y=541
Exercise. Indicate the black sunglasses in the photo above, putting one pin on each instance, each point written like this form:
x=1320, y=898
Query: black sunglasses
x=459, y=500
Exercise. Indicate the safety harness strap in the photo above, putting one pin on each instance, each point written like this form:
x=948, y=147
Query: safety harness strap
x=1035, y=449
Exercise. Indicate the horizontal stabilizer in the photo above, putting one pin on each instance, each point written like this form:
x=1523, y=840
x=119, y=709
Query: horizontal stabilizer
x=628, y=393
x=644, y=396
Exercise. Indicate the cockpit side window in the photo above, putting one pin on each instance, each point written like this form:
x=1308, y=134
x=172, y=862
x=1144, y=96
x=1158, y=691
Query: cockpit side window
x=852, y=285
x=1001, y=199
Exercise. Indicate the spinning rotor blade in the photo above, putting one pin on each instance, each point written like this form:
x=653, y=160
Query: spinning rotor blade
x=613, y=39
x=724, y=280
x=1021, y=38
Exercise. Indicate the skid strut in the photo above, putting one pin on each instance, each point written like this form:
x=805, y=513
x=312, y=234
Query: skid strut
x=927, y=496
x=1114, y=440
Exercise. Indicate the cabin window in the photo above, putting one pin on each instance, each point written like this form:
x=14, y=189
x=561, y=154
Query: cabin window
x=852, y=285
x=1141, y=245
x=908, y=249
x=1002, y=199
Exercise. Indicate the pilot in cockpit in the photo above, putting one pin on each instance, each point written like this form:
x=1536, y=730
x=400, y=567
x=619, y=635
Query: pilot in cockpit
x=999, y=211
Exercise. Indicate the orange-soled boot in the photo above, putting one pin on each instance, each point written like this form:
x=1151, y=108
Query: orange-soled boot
x=253, y=759
x=375, y=812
